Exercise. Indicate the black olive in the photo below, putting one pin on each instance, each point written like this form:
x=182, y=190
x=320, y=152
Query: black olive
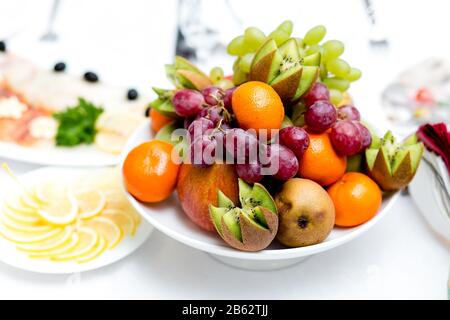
x=132, y=94
x=2, y=46
x=147, y=112
x=59, y=67
x=90, y=77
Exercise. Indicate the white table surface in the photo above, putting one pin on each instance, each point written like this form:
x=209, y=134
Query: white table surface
x=400, y=258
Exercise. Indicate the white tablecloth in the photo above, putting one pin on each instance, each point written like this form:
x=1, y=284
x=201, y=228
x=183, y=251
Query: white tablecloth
x=128, y=43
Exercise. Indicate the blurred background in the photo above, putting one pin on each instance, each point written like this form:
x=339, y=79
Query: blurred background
x=128, y=42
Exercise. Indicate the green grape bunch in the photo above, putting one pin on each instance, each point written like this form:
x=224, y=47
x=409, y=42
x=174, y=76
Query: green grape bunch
x=335, y=72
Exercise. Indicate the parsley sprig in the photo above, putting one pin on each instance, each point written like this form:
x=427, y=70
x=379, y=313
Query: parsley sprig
x=77, y=124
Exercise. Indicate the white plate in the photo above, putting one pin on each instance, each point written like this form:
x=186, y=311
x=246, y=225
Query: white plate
x=169, y=218
x=58, y=156
x=11, y=256
x=424, y=190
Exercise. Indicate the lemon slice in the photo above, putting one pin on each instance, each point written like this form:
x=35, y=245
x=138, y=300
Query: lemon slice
x=63, y=249
x=88, y=239
x=49, y=190
x=15, y=203
x=26, y=237
x=61, y=211
x=21, y=217
x=50, y=244
x=121, y=123
x=90, y=202
x=107, y=229
x=30, y=201
x=102, y=245
x=103, y=180
x=24, y=227
x=124, y=221
x=110, y=142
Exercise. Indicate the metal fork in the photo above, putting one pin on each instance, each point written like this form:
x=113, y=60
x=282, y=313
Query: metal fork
x=50, y=35
x=377, y=38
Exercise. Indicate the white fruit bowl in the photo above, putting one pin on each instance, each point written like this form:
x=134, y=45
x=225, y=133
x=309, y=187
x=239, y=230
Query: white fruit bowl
x=169, y=218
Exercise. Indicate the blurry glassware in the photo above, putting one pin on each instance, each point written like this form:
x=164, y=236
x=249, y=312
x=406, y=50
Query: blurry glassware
x=419, y=95
x=377, y=37
x=204, y=28
x=50, y=35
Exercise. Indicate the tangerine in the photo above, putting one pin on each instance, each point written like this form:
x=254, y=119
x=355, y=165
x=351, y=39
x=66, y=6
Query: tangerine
x=320, y=162
x=356, y=198
x=257, y=106
x=150, y=173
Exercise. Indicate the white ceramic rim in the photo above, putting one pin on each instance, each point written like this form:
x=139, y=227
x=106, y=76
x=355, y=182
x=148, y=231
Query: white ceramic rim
x=80, y=156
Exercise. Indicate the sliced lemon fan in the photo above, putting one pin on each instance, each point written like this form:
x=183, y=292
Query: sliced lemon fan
x=88, y=239
x=110, y=142
x=61, y=211
x=106, y=228
x=26, y=237
x=49, y=244
x=72, y=220
x=102, y=245
x=90, y=203
x=57, y=251
x=123, y=220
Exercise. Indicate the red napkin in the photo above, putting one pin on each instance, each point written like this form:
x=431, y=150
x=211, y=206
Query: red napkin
x=436, y=138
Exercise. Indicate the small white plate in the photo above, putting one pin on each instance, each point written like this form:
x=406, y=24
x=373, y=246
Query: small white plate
x=168, y=217
x=424, y=190
x=13, y=257
x=80, y=156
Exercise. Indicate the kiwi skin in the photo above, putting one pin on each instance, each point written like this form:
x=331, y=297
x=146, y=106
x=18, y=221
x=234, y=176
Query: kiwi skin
x=250, y=228
x=380, y=166
x=194, y=80
x=254, y=237
x=399, y=179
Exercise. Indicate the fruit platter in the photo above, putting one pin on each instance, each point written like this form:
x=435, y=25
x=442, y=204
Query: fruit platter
x=270, y=164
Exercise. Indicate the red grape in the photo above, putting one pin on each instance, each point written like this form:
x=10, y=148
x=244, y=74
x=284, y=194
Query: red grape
x=198, y=127
x=295, y=139
x=250, y=172
x=228, y=97
x=187, y=103
x=215, y=114
x=213, y=95
x=318, y=92
x=366, y=137
x=348, y=112
x=346, y=138
x=283, y=161
x=320, y=116
x=203, y=151
x=241, y=144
